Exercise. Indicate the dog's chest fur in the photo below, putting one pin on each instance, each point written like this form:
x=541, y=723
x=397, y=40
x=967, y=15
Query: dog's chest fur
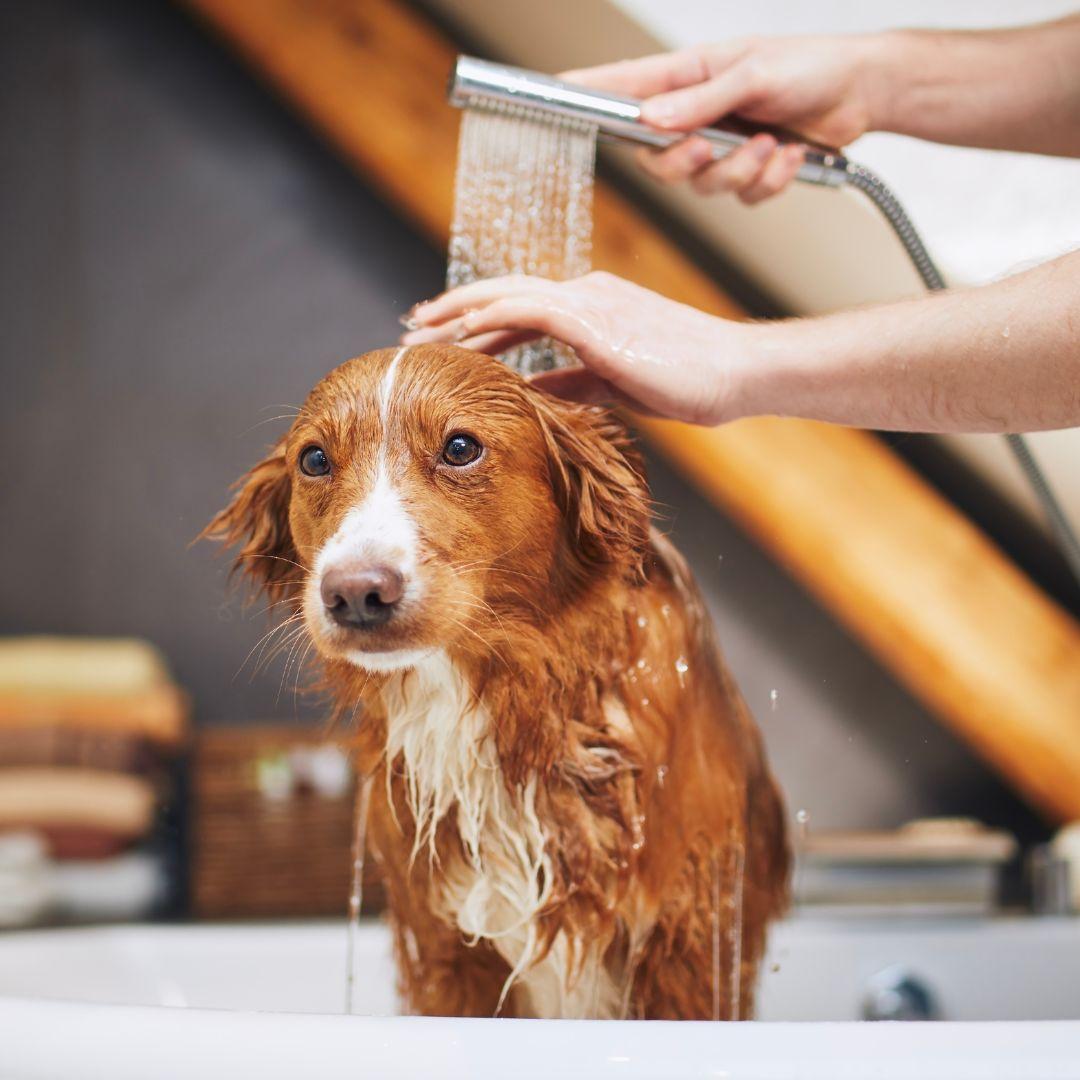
x=494, y=886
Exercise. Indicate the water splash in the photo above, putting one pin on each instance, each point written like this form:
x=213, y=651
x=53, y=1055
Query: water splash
x=735, y=925
x=716, y=990
x=356, y=892
x=728, y=932
x=681, y=668
x=522, y=205
x=802, y=834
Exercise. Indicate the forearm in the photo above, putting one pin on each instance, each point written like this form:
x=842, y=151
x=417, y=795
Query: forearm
x=1002, y=357
x=1003, y=89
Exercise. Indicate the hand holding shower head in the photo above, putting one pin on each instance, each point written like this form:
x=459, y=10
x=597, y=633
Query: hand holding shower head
x=480, y=84
x=485, y=85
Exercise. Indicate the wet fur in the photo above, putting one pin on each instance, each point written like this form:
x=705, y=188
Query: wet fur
x=567, y=786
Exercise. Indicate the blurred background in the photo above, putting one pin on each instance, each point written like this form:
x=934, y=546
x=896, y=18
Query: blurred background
x=187, y=248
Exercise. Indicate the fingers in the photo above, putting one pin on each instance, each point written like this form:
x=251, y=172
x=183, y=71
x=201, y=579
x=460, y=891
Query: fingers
x=575, y=384
x=678, y=162
x=498, y=341
x=643, y=77
x=528, y=312
x=455, y=302
x=739, y=169
x=755, y=171
x=581, y=384
x=519, y=316
x=701, y=104
x=776, y=175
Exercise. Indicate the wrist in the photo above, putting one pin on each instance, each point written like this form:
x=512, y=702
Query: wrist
x=755, y=370
x=886, y=67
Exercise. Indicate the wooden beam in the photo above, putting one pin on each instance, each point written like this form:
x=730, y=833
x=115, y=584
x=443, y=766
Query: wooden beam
x=938, y=604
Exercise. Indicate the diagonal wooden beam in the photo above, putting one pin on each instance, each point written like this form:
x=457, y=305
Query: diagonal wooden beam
x=925, y=590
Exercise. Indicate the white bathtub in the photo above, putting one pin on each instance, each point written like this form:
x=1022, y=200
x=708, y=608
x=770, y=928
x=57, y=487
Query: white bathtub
x=263, y=1000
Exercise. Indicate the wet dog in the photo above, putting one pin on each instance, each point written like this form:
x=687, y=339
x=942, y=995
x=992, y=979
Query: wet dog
x=571, y=807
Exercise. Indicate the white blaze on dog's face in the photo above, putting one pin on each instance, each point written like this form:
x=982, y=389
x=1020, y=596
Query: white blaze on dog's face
x=367, y=572
x=428, y=499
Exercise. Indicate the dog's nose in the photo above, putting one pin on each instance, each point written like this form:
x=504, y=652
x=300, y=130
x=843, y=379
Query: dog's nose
x=362, y=596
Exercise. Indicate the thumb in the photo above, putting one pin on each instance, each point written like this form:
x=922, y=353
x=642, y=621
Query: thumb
x=584, y=386
x=700, y=105
x=575, y=383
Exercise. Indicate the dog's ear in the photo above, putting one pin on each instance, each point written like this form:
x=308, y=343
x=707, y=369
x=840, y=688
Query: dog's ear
x=257, y=519
x=598, y=476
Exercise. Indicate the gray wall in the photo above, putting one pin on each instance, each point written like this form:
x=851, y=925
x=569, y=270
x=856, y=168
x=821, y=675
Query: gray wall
x=179, y=259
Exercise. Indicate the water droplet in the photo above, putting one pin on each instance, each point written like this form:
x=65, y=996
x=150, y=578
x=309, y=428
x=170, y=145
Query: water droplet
x=1005, y=333
x=774, y=697
x=802, y=820
x=666, y=611
x=642, y=621
x=682, y=667
x=641, y=664
x=661, y=774
x=645, y=702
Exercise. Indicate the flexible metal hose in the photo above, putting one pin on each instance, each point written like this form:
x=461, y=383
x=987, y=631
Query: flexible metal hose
x=874, y=188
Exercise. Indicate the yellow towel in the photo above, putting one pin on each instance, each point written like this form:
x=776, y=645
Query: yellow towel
x=119, y=685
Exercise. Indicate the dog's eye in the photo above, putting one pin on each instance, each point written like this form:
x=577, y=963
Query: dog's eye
x=461, y=450
x=314, y=462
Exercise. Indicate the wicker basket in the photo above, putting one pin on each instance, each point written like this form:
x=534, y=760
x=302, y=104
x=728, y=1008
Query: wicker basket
x=272, y=822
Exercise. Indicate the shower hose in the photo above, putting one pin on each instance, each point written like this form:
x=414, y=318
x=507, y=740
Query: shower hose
x=860, y=177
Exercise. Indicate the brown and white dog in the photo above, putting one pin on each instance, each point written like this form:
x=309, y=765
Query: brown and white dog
x=571, y=807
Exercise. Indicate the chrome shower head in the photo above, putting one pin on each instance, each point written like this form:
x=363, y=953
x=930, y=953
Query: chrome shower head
x=480, y=84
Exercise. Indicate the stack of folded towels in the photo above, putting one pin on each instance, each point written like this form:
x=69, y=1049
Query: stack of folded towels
x=89, y=730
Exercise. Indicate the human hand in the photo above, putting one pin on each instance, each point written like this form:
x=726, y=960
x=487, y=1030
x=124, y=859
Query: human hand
x=822, y=87
x=657, y=356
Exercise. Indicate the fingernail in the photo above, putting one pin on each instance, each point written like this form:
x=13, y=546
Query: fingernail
x=417, y=312
x=660, y=113
x=762, y=147
x=700, y=153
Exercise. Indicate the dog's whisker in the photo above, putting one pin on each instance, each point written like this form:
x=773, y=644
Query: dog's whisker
x=297, y=643
x=286, y=645
x=279, y=558
x=270, y=651
x=266, y=420
x=278, y=603
x=273, y=630
x=482, y=605
x=299, y=670
x=487, y=645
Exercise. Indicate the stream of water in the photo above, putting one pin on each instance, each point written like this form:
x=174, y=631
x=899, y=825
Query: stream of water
x=522, y=205
x=356, y=892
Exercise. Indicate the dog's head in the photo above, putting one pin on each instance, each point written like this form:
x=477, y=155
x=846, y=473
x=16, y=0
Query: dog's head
x=425, y=495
